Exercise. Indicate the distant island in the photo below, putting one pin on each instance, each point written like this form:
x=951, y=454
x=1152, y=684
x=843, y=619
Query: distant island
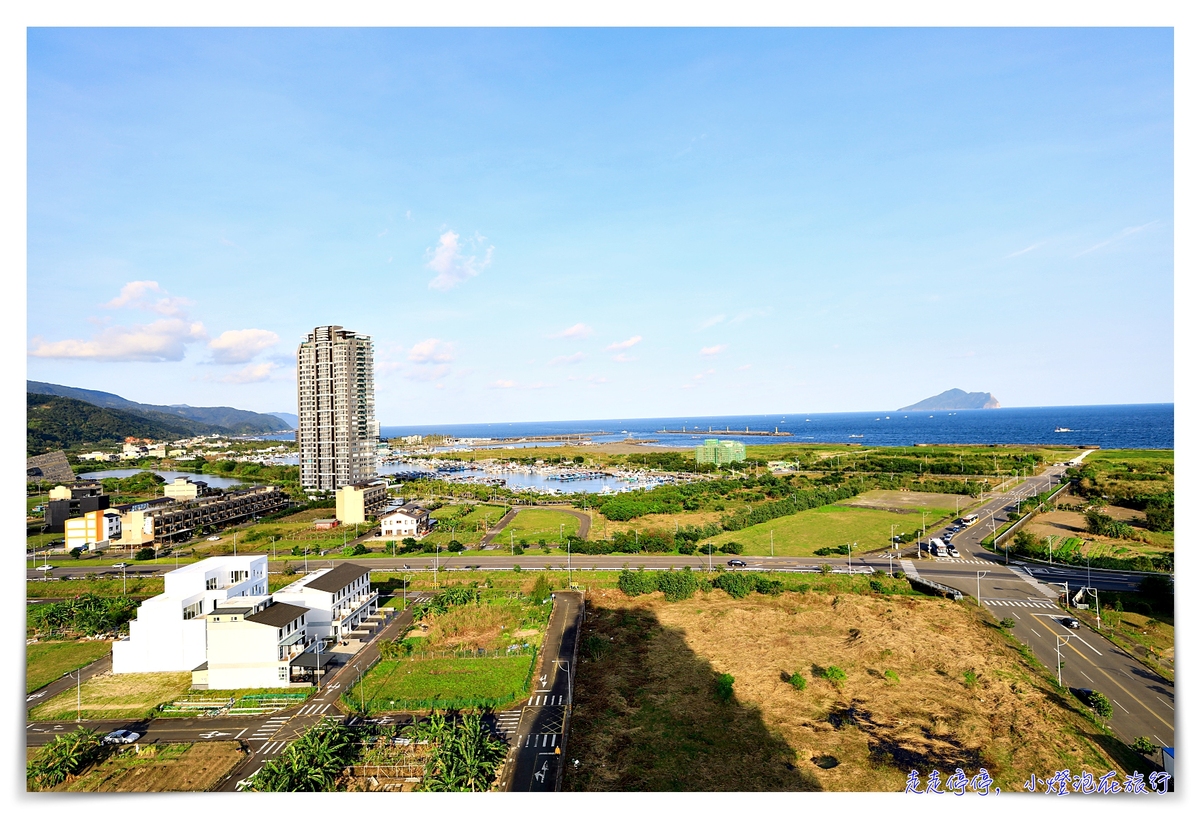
x=955, y=399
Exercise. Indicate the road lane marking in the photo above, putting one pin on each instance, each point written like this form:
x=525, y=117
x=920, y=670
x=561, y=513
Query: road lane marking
x=239, y=735
x=1164, y=702
x=1160, y=741
x=1118, y=704
x=1114, y=681
x=1089, y=678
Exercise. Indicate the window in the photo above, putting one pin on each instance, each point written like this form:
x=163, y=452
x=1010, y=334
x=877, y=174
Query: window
x=210, y=584
x=283, y=674
x=193, y=610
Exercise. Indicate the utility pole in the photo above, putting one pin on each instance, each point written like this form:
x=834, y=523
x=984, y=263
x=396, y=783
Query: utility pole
x=978, y=576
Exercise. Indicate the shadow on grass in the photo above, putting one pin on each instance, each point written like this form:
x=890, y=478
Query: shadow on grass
x=647, y=719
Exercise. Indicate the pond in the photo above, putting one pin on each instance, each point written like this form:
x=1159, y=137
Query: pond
x=213, y=480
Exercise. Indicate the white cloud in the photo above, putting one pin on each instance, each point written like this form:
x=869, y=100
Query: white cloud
x=714, y=350
x=431, y=351
x=502, y=384
x=745, y=315
x=1126, y=233
x=163, y=340
x=136, y=295
x=567, y=359
x=596, y=379
x=450, y=263
x=237, y=346
x=624, y=344
x=577, y=331
x=1028, y=249
x=252, y=373
x=712, y=322
x=621, y=357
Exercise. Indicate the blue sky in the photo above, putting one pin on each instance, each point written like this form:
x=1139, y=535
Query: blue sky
x=558, y=224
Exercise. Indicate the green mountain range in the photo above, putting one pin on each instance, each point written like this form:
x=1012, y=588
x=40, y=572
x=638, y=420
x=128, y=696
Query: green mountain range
x=196, y=419
x=54, y=423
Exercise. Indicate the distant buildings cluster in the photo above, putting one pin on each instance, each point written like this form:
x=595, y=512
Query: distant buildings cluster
x=720, y=452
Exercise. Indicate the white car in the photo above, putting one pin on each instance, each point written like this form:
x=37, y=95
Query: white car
x=122, y=737
x=213, y=538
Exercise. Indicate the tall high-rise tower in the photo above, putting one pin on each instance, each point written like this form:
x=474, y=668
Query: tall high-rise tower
x=335, y=380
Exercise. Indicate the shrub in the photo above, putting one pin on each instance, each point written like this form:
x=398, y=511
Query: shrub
x=970, y=679
x=636, y=583
x=677, y=585
x=354, y=550
x=517, y=569
x=288, y=570
x=1100, y=703
x=826, y=568
x=541, y=589
x=144, y=554
x=76, y=553
x=455, y=546
x=1008, y=622
x=686, y=546
x=724, y=687
x=797, y=681
x=1144, y=745
x=876, y=586
x=737, y=585
x=769, y=587
x=594, y=646
x=834, y=675
x=892, y=676
x=731, y=548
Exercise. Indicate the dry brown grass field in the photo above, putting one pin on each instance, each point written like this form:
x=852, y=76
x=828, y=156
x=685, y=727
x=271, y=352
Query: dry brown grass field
x=647, y=718
x=160, y=768
x=115, y=696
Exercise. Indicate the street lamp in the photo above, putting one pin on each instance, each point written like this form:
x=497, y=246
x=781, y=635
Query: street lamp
x=1059, y=641
x=978, y=576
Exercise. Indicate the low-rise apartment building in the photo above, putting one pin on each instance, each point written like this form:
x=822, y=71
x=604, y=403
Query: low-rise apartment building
x=93, y=530
x=358, y=501
x=158, y=522
x=184, y=488
x=169, y=631
x=255, y=642
x=339, y=599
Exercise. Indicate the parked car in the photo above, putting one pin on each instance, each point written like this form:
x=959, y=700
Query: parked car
x=1070, y=622
x=736, y=564
x=953, y=551
x=213, y=538
x=122, y=737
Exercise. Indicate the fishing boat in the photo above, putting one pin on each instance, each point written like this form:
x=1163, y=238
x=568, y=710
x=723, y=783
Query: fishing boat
x=1062, y=429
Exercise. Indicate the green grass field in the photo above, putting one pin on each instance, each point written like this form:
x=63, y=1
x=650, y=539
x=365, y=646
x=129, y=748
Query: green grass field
x=799, y=535
x=47, y=661
x=539, y=524
x=396, y=685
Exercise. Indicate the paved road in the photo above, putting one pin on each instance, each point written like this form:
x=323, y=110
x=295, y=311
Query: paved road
x=1143, y=702
x=47, y=692
x=538, y=735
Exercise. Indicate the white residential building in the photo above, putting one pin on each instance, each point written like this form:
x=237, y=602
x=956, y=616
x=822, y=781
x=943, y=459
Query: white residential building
x=339, y=599
x=168, y=632
x=406, y=521
x=254, y=642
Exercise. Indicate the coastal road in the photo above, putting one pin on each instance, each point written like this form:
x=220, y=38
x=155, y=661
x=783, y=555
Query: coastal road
x=538, y=737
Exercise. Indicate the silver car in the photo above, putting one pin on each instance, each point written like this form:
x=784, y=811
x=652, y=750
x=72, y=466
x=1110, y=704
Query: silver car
x=122, y=737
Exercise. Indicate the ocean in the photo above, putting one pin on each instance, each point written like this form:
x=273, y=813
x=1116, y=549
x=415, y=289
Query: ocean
x=1136, y=426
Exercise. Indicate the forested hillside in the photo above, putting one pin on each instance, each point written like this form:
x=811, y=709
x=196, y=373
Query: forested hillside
x=61, y=423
